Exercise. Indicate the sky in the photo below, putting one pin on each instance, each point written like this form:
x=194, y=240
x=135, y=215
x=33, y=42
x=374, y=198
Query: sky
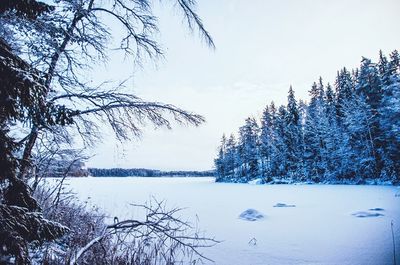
x=262, y=47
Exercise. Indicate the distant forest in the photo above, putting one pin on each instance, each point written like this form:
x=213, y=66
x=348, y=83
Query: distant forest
x=142, y=172
x=348, y=132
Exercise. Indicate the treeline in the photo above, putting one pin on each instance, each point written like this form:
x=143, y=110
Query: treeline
x=142, y=172
x=348, y=132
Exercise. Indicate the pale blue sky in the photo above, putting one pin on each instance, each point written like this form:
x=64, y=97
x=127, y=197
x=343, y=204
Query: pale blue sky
x=262, y=47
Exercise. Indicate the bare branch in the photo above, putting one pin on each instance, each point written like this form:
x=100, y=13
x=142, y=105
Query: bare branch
x=160, y=230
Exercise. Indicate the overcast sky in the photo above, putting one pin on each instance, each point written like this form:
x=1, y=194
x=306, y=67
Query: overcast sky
x=262, y=47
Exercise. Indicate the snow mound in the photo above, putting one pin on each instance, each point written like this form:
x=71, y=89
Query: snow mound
x=251, y=215
x=397, y=194
x=377, y=209
x=282, y=205
x=258, y=181
x=281, y=181
x=366, y=214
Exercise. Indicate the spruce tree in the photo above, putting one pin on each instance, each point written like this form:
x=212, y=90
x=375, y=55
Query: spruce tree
x=219, y=162
x=231, y=157
x=281, y=154
x=266, y=143
x=347, y=135
x=21, y=101
x=316, y=134
x=293, y=137
x=390, y=113
x=249, y=150
x=344, y=85
x=369, y=90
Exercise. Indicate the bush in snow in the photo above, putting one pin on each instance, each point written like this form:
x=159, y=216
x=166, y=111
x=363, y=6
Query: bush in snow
x=158, y=238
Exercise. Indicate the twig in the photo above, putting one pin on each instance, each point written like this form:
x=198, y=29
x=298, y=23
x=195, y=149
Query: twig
x=87, y=247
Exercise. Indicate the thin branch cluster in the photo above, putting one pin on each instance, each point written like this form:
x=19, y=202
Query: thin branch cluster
x=47, y=50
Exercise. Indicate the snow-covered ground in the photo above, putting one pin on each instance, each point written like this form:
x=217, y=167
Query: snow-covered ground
x=326, y=224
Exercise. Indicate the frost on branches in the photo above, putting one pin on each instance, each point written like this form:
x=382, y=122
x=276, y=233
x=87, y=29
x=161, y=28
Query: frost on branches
x=348, y=132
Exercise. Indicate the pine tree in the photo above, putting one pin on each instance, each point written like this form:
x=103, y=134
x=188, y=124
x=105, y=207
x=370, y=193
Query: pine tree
x=292, y=116
x=231, y=156
x=330, y=103
x=281, y=166
x=266, y=143
x=276, y=141
x=316, y=134
x=337, y=141
x=357, y=120
x=248, y=150
x=345, y=86
x=385, y=71
x=293, y=137
x=369, y=90
x=21, y=98
x=350, y=134
x=390, y=113
x=219, y=162
x=369, y=84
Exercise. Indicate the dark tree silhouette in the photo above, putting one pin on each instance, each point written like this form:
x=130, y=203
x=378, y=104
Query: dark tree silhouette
x=44, y=50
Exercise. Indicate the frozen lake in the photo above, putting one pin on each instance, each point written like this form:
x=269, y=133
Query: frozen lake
x=320, y=229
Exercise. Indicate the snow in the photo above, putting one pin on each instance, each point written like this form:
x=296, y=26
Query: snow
x=366, y=214
x=321, y=229
x=251, y=215
x=377, y=209
x=283, y=205
x=258, y=181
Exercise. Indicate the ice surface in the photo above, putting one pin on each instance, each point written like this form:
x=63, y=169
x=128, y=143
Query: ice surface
x=251, y=215
x=283, y=205
x=319, y=230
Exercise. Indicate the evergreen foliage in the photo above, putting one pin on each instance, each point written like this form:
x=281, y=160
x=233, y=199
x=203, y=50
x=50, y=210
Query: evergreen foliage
x=21, y=98
x=346, y=134
x=143, y=172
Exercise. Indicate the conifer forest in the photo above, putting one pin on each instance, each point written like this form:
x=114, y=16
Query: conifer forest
x=346, y=132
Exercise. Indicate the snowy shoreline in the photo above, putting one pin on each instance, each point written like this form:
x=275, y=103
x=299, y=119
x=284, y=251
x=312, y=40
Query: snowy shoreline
x=281, y=224
x=261, y=181
x=280, y=181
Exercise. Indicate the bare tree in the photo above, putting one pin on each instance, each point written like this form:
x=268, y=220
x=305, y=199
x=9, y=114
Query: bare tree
x=157, y=235
x=160, y=238
x=46, y=50
x=71, y=38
